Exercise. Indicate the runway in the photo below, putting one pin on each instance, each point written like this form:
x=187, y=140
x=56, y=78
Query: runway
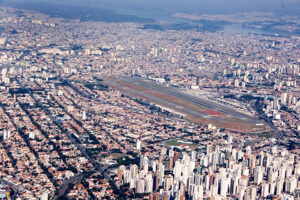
x=183, y=103
x=196, y=100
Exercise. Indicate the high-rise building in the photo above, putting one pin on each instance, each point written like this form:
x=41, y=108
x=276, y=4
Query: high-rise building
x=229, y=139
x=156, y=181
x=132, y=183
x=6, y=134
x=289, y=171
x=206, y=183
x=267, y=160
x=148, y=183
x=133, y=171
x=274, y=150
x=198, y=193
x=258, y=175
x=234, y=185
x=120, y=172
x=168, y=182
x=208, y=149
x=32, y=135
x=224, y=187
x=171, y=163
x=177, y=169
x=236, y=83
x=44, y=196
x=138, y=145
x=144, y=161
x=252, y=164
x=84, y=115
x=140, y=186
x=291, y=185
x=253, y=193
x=272, y=188
x=279, y=185
x=265, y=190
x=272, y=175
x=282, y=171
x=283, y=98
x=242, y=193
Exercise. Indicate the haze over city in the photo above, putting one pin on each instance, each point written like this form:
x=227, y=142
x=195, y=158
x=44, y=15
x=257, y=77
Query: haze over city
x=167, y=7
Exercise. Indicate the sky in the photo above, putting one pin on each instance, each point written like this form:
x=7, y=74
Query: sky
x=169, y=7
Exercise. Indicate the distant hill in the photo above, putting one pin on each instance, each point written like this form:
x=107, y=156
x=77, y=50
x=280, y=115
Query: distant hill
x=77, y=12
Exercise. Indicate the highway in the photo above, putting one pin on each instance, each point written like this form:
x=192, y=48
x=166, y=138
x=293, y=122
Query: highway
x=278, y=134
x=65, y=185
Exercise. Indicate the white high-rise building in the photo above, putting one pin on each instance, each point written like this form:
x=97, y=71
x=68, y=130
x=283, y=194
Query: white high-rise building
x=236, y=83
x=208, y=149
x=289, y=171
x=148, y=183
x=207, y=178
x=272, y=188
x=32, y=135
x=214, y=190
x=138, y=145
x=242, y=193
x=140, y=186
x=133, y=171
x=282, y=171
x=274, y=150
x=291, y=185
x=279, y=185
x=258, y=175
x=154, y=165
x=252, y=164
x=245, y=171
x=84, y=115
x=193, y=156
x=248, y=150
x=197, y=192
x=44, y=196
x=283, y=98
x=265, y=190
x=268, y=159
x=168, y=182
x=234, y=185
x=6, y=134
x=132, y=183
x=234, y=154
x=272, y=175
x=253, y=193
x=224, y=187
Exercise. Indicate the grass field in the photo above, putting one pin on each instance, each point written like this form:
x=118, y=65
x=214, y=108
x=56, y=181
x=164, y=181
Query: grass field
x=172, y=143
x=178, y=142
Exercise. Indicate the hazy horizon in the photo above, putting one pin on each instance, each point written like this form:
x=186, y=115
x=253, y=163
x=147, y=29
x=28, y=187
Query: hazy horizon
x=144, y=8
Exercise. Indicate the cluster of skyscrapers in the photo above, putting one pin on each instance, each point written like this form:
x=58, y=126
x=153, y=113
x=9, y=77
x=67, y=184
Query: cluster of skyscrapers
x=215, y=172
